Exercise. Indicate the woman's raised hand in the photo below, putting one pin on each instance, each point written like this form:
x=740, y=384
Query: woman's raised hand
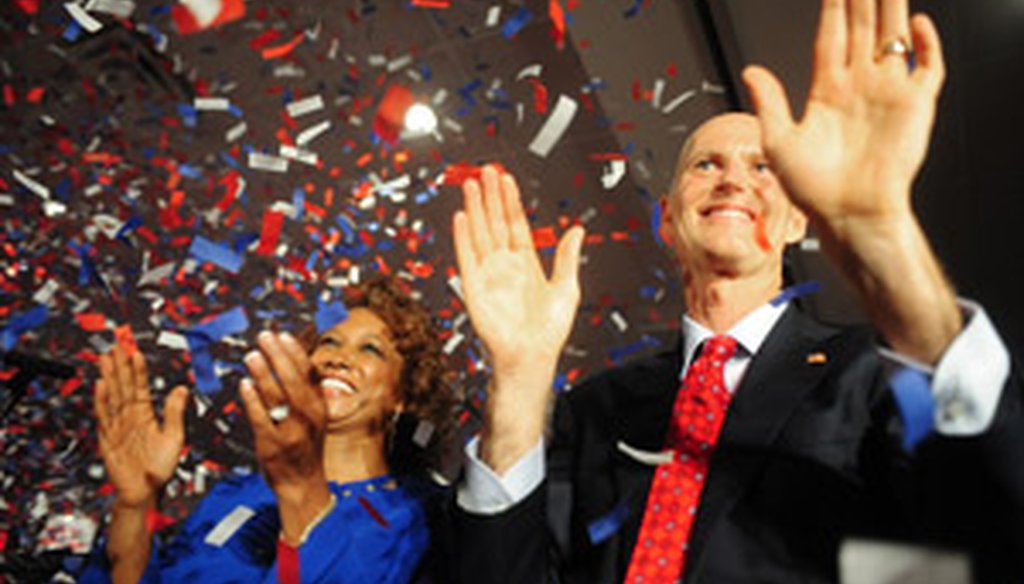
x=140, y=453
x=288, y=417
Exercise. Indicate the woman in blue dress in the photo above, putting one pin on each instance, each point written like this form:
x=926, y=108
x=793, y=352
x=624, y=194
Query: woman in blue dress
x=330, y=504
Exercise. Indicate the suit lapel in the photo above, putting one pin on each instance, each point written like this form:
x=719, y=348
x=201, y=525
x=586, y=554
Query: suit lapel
x=778, y=380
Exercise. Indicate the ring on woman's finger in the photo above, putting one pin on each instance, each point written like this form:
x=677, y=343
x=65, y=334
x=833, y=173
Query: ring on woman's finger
x=279, y=413
x=894, y=47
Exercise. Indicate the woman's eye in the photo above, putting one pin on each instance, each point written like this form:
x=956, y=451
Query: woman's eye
x=326, y=342
x=371, y=348
x=704, y=164
x=762, y=167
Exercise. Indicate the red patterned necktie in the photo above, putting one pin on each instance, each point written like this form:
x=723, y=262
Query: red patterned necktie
x=697, y=418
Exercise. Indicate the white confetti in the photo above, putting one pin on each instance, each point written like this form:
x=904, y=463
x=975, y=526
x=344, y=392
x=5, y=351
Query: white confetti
x=227, y=527
x=313, y=132
x=211, y=104
x=810, y=244
x=119, y=8
x=27, y=182
x=270, y=163
x=83, y=18
x=493, y=16
x=659, y=88
x=45, y=292
x=644, y=456
x=172, y=341
x=678, y=101
x=424, y=430
x=613, y=174
x=533, y=70
x=399, y=63
x=293, y=153
x=553, y=128
x=619, y=320
x=235, y=132
x=305, y=106
x=156, y=274
x=453, y=342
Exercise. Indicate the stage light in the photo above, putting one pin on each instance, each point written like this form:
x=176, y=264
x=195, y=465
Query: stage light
x=420, y=119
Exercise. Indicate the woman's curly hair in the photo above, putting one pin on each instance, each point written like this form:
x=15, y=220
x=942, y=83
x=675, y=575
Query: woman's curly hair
x=425, y=385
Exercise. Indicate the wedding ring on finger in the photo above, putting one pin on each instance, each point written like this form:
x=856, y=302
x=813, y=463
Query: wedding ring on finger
x=279, y=413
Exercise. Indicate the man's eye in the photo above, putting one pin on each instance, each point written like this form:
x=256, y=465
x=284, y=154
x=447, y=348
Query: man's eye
x=326, y=342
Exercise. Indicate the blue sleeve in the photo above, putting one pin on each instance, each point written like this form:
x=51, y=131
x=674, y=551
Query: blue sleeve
x=246, y=556
x=380, y=540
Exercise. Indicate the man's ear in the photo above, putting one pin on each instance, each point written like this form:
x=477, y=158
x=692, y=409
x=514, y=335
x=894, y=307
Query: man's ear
x=665, y=226
x=796, y=226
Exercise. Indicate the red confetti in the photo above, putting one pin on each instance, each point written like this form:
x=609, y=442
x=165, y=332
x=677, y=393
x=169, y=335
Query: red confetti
x=282, y=50
x=761, y=234
x=540, y=96
x=29, y=7
x=126, y=339
x=156, y=521
x=391, y=112
x=70, y=386
x=271, y=233
x=35, y=95
x=264, y=39
x=544, y=238
x=91, y=322
x=459, y=172
x=432, y=3
x=557, y=22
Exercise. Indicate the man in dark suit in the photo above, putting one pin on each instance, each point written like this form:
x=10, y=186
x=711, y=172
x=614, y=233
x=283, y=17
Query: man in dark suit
x=784, y=437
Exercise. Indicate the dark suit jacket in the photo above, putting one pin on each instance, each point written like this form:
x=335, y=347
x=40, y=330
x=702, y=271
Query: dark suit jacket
x=809, y=454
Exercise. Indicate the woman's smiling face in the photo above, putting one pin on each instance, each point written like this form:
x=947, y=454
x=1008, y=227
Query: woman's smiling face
x=359, y=370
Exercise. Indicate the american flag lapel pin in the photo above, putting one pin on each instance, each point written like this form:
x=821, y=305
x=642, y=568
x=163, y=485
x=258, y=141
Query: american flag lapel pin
x=817, y=358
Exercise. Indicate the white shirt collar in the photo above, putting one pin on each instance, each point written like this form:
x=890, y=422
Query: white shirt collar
x=750, y=332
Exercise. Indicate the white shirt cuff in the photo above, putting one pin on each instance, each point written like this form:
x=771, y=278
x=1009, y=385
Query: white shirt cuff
x=968, y=380
x=485, y=493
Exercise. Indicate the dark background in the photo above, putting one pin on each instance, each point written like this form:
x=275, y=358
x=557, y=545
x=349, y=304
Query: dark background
x=124, y=91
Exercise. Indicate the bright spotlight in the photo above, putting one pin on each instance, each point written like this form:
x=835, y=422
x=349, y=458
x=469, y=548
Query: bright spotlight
x=420, y=119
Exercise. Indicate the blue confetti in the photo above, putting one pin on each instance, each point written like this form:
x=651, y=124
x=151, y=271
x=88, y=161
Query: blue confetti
x=329, y=315
x=22, y=323
x=795, y=291
x=232, y=322
x=207, y=251
x=608, y=524
x=913, y=391
x=515, y=24
x=72, y=31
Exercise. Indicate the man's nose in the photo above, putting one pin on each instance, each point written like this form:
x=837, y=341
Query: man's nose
x=735, y=176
